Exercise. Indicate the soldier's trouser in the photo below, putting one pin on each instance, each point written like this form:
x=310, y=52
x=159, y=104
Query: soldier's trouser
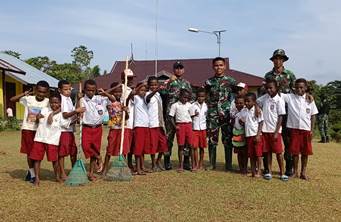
x=170, y=137
x=287, y=156
x=323, y=126
x=213, y=137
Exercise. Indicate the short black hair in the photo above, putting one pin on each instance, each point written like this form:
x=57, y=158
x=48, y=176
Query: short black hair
x=201, y=90
x=251, y=95
x=218, y=59
x=152, y=78
x=43, y=83
x=183, y=91
x=301, y=80
x=55, y=94
x=63, y=82
x=90, y=82
x=270, y=80
x=239, y=97
x=113, y=84
x=139, y=84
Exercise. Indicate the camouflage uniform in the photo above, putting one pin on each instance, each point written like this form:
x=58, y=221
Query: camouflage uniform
x=286, y=81
x=172, y=96
x=219, y=97
x=322, y=120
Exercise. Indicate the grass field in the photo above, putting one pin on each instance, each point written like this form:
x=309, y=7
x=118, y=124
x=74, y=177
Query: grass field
x=169, y=196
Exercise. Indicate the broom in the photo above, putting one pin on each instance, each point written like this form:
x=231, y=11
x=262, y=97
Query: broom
x=78, y=175
x=119, y=170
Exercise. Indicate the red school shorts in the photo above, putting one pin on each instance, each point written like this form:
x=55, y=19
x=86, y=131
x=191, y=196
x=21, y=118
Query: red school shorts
x=158, y=140
x=199, y=139
x=300, y=142
x=39, y=149
x=254, y=149
x=271, y=144
x=141, y=141
x=184, y=133
x=67, y=144
x=114, y=142
x=27, y=140
x=91, y=141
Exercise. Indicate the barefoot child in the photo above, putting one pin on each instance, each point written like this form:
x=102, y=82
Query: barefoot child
x=47, y=137
x=158, y=139
x=273, y=107
x=199, y=140
x=115, y=110
x=141, y=128
x=301, y=121
x=180, y=111
x=95, y=106
x=238, y=131
x=253, y=133
x=33, y=106
x=67, y=144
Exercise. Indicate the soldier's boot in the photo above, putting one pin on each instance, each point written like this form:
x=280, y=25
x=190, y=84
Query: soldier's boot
x=288, y=164
x=212, y=150
x=327, y=139
x=228, y=157
x=323, y=140
x=265, y=164
x=167, y=161
x=187, y=154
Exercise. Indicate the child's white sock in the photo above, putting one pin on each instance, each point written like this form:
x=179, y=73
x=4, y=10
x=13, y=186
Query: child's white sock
x=32, y=172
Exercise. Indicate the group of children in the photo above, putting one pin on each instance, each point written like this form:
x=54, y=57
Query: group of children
x=48, y=126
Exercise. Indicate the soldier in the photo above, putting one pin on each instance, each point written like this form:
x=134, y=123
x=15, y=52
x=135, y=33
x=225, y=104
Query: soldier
x=322, y=119
x=175, y=84
x=219, y=97
x=285, y=79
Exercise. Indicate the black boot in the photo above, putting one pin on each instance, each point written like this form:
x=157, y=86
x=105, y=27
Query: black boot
x=327, y=139
x=228, y=157
x=167, y=162
x=265, y=164
x=212, y=151
x=323, y=140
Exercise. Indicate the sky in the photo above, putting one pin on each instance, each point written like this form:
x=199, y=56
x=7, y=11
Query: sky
x=308, y=30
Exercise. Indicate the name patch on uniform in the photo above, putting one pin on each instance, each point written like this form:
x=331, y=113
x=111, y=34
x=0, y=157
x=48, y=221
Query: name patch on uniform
x=308, y=110
x=272, y=107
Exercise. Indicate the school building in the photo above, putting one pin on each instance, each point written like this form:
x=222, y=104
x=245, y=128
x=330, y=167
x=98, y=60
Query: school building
x=197, y=71
x=16, y=76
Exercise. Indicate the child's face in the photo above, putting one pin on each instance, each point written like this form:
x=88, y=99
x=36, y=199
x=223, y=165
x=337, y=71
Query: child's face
x=117, y=93
x=54, y=103
x=65, y=90
x=153, y=85
x=249, y=102
x=300, y=88
x=241, y=92
x=41, y=93
x=240, y=103
x=271, y=89
x=219, y=67
x=142, y=91
x=201, y=96
x=184, y=98
x=90, y=90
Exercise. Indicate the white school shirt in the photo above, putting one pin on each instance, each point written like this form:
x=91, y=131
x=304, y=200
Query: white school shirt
x=272, y=108
x=131, y=111
x=199, y=122
x=155, y=111
x=67, y=107
x=181, y=112
x=299, y=111
x=236, y=115
x=251, y=121
x=50, y=134
x=32, y=108
x=95, y=108
x=141, y=118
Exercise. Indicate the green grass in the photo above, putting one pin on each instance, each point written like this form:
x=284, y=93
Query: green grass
x=169, y=196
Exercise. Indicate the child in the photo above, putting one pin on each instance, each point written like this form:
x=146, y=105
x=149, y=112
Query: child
x=158, y=139
x=242, y=90
x=67, y=144
x=181, y=112
x=141, y=128
x=33, y=106
x=253, y=133
x=47, y=137
x=273, y=107
x=95, y=106
x=115, y=110
x=301, y=121
x=238, y=138
x=199, y=140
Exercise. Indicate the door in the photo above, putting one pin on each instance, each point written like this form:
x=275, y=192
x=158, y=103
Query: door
x=10, y=92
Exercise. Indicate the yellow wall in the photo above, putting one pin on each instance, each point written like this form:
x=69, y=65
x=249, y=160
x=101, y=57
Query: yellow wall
x=19, y=89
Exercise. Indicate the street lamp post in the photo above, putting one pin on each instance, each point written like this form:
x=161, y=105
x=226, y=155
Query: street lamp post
x=217, y=33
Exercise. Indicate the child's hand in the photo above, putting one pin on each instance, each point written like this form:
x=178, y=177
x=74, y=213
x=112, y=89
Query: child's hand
x=258, y=111
x=196, y=113
x=80, y=110
x=257, y=138
x=101, y=92
x=28, y=92
x=309, y=98
x=79, y=95
x=39, y=116
x=50, y=119
x=173, y=78
x=276, y=136
x=124, y=108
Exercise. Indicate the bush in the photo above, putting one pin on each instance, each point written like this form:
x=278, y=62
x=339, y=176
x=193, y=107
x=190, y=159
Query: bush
x=10, y=123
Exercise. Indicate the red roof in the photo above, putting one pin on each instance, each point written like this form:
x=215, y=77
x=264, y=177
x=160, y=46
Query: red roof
x=197, y=71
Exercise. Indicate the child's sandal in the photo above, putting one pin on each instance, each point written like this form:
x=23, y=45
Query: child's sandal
x=284, y=178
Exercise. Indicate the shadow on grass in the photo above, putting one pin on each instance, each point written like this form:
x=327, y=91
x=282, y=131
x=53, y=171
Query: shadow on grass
x=20, y=174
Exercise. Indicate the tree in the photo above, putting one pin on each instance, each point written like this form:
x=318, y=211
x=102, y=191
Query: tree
x=12, y=53
x=43, y=63
x=67, y=71
x=95, y=71
x=82, y=56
